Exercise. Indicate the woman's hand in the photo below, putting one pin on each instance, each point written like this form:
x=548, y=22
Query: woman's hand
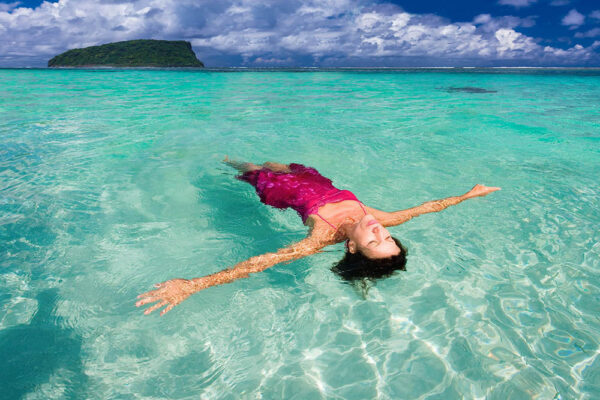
x=480, y=191
x=169, y=293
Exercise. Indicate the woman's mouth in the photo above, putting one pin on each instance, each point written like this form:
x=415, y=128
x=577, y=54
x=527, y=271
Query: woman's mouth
x=371, y=222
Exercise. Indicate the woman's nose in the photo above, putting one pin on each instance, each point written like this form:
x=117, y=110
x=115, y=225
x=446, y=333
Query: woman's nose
x=378, y=232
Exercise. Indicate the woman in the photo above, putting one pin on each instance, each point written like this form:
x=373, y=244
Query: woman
x=333, y=216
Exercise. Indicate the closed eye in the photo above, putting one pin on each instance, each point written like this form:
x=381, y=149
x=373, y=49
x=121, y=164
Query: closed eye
x=389, y=238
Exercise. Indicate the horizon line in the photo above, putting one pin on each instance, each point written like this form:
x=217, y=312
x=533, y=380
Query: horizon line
x=301, y=67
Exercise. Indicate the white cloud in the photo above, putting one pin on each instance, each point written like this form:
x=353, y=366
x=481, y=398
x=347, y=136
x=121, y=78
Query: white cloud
x=511, y=42
x=280, y=32
x=573, y=19
x=558, y=3
x=274, y=61
x=589, y=34
x=577, y=51
x=482, y=19
x=6, y=7
x=488, y=23
x=595, y=14
x=517, y=3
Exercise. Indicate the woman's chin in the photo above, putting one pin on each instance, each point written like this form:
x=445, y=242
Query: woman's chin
x=366, y=217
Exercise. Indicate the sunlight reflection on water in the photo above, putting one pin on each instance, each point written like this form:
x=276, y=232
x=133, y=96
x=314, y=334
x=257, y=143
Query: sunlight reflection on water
x=112, y=181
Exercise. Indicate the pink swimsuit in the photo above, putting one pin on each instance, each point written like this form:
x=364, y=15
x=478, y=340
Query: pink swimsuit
x=304, y=189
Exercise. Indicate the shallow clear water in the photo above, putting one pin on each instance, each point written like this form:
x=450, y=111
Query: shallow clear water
x=111, y=181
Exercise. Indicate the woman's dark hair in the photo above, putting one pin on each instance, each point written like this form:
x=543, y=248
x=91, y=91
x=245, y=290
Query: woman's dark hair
x=357, y=266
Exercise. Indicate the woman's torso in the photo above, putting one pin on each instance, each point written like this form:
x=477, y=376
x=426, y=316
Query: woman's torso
x=321, y=205
x=336, y=214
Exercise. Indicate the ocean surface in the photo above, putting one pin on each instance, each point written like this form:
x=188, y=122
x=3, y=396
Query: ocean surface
x=112, y=180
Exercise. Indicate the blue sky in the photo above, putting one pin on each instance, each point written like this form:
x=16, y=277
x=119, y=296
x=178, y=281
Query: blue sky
x=274, y=33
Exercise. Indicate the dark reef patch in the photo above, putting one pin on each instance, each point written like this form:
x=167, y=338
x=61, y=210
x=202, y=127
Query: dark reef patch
x=35, y=352
x=468, y=89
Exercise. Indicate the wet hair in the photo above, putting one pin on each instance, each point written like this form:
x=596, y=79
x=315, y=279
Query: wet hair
x=358, y=267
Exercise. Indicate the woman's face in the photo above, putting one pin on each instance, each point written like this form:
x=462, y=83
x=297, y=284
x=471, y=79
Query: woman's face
x=370, y=238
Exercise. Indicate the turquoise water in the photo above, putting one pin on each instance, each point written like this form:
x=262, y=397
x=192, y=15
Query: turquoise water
x=111, y=181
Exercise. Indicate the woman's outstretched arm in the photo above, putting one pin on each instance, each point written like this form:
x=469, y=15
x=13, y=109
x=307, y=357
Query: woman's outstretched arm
x=174, y=291
x=400, y=217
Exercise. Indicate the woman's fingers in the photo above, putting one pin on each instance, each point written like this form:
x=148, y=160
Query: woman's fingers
x=152, y=292
x=148, y=293
x=149, y=299
x=166, y=310
x=169, y=293
x=154, y=307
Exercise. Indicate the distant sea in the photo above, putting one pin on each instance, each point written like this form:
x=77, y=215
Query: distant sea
x=111, y=180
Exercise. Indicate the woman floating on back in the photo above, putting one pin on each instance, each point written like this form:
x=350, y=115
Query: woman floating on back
x=332, y=215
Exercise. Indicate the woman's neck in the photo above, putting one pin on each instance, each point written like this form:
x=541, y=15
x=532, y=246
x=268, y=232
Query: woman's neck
x=347, y=227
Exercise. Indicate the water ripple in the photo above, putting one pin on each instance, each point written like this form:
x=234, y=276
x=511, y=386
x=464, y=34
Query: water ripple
x=112, y=181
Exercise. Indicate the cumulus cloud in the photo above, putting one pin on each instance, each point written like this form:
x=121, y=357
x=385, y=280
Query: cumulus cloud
x=517, y=3
x=278, y=32
x=5, y=7
x=595, y=14
x=573, y=19
x=488, y=23
x=511, y=42
x=589, y=34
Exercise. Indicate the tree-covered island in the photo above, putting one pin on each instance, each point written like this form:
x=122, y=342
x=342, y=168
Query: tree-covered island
x=131, y=53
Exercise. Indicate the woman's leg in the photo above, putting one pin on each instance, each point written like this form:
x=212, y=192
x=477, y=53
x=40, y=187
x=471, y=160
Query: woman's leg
x=246, y=166
x=241, y=166
x=277, y=167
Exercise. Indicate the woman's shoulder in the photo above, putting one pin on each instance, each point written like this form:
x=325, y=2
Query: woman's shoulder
x=322, y=232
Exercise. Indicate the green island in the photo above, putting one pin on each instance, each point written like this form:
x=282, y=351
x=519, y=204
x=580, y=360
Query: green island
x=131, y=53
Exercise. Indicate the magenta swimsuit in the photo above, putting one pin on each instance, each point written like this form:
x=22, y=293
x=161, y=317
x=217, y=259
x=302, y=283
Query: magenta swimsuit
x=304, y=189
